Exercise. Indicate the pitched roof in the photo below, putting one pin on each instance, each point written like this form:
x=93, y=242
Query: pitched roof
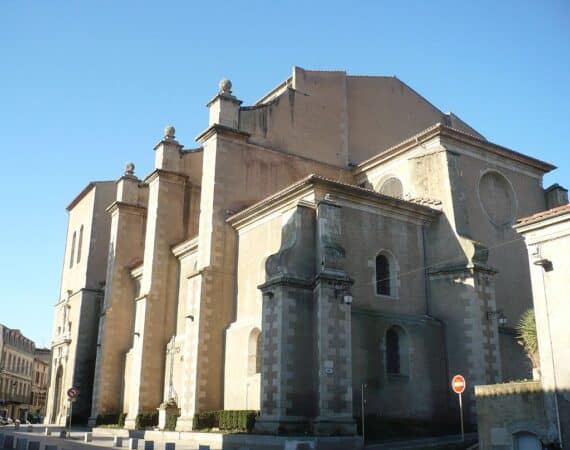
x=440, y=129
x=84, y=192
x=419, y=206
x=559, y=210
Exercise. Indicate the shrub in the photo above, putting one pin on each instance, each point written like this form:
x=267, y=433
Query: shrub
x=111, y=419
x=204, y=420
x=527, y=336
x=144, y=421
x=236, y=420
x=171, y=423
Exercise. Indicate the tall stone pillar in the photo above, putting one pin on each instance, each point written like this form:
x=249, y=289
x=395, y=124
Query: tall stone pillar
x=213, y=286
x=463, y=297
x=128, y=214
x=288, y=369
x=332, y=319
x=156, y=306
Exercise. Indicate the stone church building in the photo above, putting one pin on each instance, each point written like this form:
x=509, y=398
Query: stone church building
x=340, y=237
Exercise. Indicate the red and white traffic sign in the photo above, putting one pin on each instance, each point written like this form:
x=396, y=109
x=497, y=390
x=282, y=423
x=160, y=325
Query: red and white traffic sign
x=458, y=384
x=72, y=392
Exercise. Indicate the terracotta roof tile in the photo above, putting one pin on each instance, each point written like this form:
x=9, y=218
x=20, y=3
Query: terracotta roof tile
x=545, y=214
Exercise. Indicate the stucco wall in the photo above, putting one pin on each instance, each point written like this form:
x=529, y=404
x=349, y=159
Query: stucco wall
x=548, y=240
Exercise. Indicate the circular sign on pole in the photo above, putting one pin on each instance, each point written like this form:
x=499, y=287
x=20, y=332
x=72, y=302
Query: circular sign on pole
x=458, y=384
x=72, y=392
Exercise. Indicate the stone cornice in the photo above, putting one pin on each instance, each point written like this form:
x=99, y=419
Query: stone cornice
x=286, y=281
x=311, y=183
x=225, y=96
x=186, y=247
x=169, y=175
x=456, y=135
x=222, y=131
x=408, y=318
x=117, y=206
x=137, y=272
x=172, y=142
x=469, y=269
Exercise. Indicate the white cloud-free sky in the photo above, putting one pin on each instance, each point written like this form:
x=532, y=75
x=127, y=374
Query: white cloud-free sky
x=87, y=86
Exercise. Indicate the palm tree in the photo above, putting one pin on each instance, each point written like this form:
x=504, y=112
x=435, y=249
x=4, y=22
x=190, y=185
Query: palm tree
x=526, y=329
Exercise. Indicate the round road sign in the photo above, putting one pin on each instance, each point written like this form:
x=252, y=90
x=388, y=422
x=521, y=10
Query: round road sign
x=458, y=384
x=72, y=392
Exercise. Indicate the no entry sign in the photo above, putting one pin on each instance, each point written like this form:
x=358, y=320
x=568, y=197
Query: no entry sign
x=458, y=384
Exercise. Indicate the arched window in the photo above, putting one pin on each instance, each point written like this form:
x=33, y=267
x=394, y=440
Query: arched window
x=386, y=276
x=254, y=352
x=80, y=243
x=397, y=351
x=258, y=355
x=72, y=250
x=57, y=393
x=382, y=275
x=392, y=187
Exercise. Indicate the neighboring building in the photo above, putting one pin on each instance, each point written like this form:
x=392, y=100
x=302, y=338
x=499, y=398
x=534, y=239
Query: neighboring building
x=17, y=353
x=40, y=381
x=79, y=304
x=341, y=231
x=538, y=410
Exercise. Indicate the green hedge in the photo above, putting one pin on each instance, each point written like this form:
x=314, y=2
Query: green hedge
x=240, y=420
x=144, y=421
x=111, y=419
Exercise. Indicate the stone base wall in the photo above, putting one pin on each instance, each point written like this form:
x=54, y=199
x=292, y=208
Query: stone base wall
x=507, y=411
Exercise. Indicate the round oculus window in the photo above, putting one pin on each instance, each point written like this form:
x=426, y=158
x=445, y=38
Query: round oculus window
x=497, y=198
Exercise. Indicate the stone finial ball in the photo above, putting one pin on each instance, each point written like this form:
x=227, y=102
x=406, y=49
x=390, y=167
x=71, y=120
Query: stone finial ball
x=129, y=169
x=169, y=132
x=225, y=86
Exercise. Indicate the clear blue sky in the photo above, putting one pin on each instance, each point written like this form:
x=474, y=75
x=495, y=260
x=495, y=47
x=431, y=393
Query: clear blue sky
x=87, y=86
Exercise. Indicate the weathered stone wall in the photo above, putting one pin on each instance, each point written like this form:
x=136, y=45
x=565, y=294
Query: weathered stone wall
x=421, y=392
x=506, y=410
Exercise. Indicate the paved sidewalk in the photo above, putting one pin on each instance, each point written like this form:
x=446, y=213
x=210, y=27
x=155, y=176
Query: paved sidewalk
x=420, y=442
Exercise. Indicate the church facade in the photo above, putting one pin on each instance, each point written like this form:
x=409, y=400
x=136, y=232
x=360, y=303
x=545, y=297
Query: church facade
x=340, y=239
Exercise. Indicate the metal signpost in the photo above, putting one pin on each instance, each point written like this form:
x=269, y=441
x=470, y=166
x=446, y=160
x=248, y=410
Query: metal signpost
x=458, y=385
x=72, y=394
x=362, y=402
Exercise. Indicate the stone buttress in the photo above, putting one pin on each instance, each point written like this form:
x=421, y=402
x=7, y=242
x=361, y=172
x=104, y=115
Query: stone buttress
x=156, y=305
x=306, y=377
x=126, y=246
